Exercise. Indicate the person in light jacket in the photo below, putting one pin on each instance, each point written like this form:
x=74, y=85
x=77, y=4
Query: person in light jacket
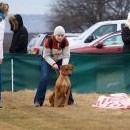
x=4, y=7
x=53, y=57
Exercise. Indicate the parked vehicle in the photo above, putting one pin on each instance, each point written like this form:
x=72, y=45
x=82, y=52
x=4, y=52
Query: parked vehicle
x=35, y=44
x=79, y=40
x=97, y=30
x=109, y=43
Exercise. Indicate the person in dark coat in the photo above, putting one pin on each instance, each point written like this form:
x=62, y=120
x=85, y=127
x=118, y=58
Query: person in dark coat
x=126, y=35
x=20, y=35
x=126, y=49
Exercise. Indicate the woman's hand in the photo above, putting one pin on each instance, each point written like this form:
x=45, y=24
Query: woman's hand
x=55, y=66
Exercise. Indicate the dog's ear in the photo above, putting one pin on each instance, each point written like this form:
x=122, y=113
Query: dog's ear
x=62, y=67
x=71, y=66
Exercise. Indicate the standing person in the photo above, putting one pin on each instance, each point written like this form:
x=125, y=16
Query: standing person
x=126, y=49
x=126, y=35
x=54, y=56
x=3, y=13
x=20, y=35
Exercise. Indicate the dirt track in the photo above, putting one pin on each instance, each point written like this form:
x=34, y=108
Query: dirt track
x=20, y=114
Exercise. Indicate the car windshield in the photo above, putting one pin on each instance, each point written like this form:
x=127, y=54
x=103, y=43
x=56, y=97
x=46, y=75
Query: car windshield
x=85, y=32
x=32, y=41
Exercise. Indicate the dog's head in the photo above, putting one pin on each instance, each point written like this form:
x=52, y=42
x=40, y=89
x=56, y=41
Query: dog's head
x=66, y=69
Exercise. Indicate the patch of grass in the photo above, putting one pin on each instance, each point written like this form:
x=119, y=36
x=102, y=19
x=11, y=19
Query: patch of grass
x=20, y=114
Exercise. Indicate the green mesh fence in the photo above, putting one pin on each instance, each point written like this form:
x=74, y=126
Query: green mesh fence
x=103, y=73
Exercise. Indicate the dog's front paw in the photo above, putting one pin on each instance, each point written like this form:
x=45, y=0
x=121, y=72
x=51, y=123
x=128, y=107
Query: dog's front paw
x=55, y=105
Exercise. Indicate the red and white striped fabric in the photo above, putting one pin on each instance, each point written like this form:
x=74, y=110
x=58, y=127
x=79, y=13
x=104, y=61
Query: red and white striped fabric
x=114, y=101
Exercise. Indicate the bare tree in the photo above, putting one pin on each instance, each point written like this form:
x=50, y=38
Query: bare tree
x=77, y=15
x=118, y=9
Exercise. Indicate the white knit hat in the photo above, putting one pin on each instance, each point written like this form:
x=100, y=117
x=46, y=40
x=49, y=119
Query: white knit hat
x=128, y=18
x=59, y=30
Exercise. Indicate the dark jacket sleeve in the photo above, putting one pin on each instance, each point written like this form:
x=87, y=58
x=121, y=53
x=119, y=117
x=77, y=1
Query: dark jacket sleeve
x=126, y=35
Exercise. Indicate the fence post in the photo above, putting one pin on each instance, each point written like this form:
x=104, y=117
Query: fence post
x=12, y=74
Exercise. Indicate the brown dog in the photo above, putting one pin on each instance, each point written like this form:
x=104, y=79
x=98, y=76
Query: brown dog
x=60, y=96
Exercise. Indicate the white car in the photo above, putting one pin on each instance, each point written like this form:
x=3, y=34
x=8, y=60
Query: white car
x=97, y=30
x=35, y=44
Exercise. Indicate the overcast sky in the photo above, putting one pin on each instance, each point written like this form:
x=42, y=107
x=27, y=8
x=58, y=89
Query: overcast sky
x=29, y=6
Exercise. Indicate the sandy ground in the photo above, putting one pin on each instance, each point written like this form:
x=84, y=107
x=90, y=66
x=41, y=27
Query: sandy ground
x=19, y=113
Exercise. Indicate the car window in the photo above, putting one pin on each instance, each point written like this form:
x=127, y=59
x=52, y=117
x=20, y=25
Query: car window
x=113, y=41
x=32, y=42
x=104, y=30
x=122, y=25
